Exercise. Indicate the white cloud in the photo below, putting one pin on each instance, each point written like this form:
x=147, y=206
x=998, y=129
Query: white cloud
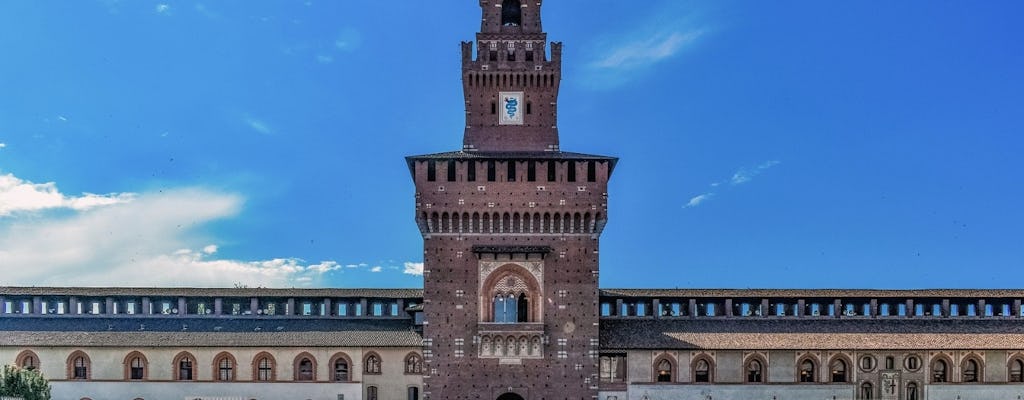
x=148, y=239
x=376, y=269
x=697, y=200
x=348, y=40
x=162, y=8
x=646, y=51
x=744, y=175
x=324, y=59
x=17, y=195
x=2, y=145
x=413, y=268
x=258, y=125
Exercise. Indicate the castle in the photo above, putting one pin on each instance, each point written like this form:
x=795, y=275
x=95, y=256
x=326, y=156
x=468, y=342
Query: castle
x=510, y=307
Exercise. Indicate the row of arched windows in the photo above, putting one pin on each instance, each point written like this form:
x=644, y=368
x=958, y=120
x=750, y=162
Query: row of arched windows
x=971, y=370
x=507, y=80
x=224, y=368
x=511, y=222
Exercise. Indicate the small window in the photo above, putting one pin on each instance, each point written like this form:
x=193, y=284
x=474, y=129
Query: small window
x=137, y=369
x=491, y=172
x=591, y=171
x=867, y=391
x=912, y=362
x=371, y=393
x=511, y=13
x=81, y=368
x=341, y=370
x=185, y=369
x=971, y=371
x=702, y=371
x=471, y=171
x=613, y=368
x=226, y=369
x=867, y=363
x=413, y=364
x=529, y=105
x=494, y=106
x=431, y=171
x=531, y=171
x=372, y=364
x=571, y=171
x=414, y=393
x=551, y=173
x=265, y=369
x=755, y=372
x=890, y=362
x=305, y=370
x=838, y=370
x=664, y=371
x=451, y=170
x=940, y=371
x=807, y=371
x=529, y=57
x=511, y=175
x=912, y=391
x=1017, y=370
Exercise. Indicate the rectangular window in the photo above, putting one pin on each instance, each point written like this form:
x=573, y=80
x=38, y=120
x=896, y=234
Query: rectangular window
x=531, y=171
x=342, y=309
x=431, y=171
x=471, y=171
x=357, y=309
x=378, y=309
x=551, y=171
x=591, y=171
x=394, y=309
x=571, y=171
x=451, y=170
x=529, y=56
x=613, y=368
x=511, y=171
x=414, y=393
x=490, y=171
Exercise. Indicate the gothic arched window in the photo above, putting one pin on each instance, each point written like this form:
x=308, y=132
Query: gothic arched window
x=807, y=371
x=372, y=364
x=664, y=370
x=971, y=371
x=755, y=371
x=702, y=371
x=1016, y=370
x=838, y=370
x=867, y=391
x=940, y=371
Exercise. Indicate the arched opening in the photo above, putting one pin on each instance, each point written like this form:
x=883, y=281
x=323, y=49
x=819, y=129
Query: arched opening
x=511, y=13
x=971, y=371
x=413, y=364
x=510, y=396
x=304, y=370
x=664, y=371
x=523, y=308
x=867, y=391
x=838, y=370
x=755, y=371
x=807, y=371
x=225, y=366
x=340, y=366
x=912, y=392
x=940, y=371
x=1016, y=370
x=135, y=366
x=510, y=294
x=702, y=371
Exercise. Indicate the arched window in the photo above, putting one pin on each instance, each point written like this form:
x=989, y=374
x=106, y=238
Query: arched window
x=27, y=360
x=867, y=391
x=184, y=367
x=79, y=366
x=514, y=295
x=135, y=366
x=263, y=367
x=702, y=372
x=971, y=371
x=371, y=393
x=912, y=391
x=755, y=371
x=224, y=364
x=414, y=393
x=413, y=364
x=838, y=370
x=340, y=365
x=1016, y=370
x=304, y=370
x=371, y=364
x=940, y=371
x=663, y=368
x=807, y=371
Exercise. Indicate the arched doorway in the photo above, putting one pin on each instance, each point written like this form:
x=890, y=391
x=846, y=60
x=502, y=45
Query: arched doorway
x=510, y=396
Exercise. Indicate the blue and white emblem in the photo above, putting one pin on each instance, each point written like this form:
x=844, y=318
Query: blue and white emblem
x=511, y=110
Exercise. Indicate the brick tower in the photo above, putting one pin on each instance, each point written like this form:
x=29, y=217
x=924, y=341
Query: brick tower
x=510, y=229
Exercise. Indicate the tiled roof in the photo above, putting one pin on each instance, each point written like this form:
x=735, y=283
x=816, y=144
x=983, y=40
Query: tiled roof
x=209, y=292
x=811, y=334
x=206, y=331
x=212, y=339
x=814, y=293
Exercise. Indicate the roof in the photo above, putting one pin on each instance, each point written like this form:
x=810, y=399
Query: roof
x=517, y=155
x=811, y=334
x=814, y=293
x=209, y=292
x=208, y=332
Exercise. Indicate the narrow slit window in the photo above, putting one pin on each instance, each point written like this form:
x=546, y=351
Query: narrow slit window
x=591, y=171
x=451, y=171
x=471, y=171
x=571, y=171
x=511, y=175
x=490, y=171
x=531, y=171
x=431, y=171
x=551, y=171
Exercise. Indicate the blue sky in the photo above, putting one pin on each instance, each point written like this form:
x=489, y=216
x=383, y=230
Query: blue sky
x=782, y=144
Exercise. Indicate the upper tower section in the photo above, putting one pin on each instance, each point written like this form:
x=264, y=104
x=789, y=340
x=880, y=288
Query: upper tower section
x=510, y=83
